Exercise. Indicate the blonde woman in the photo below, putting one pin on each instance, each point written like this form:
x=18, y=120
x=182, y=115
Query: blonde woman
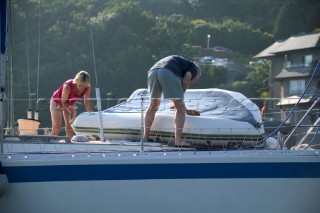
x=63, y=102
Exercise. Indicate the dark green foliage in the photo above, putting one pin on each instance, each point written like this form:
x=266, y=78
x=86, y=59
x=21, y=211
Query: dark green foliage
x=212, y=77
x=297, y=16
x=130, y=35
x=259, y=77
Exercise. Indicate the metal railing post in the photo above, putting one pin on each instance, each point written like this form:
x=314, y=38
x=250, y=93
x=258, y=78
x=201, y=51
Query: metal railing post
x=142, y=126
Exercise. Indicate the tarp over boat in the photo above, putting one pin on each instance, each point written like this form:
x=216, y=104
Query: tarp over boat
x=216, y=103
x=226, y=118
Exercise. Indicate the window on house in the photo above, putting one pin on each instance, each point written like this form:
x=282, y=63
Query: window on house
x=307, y=60
x=288, y=65
x=296, y=87
x=287, y=62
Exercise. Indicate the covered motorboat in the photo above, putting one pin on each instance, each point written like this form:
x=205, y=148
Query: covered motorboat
x=226, y=118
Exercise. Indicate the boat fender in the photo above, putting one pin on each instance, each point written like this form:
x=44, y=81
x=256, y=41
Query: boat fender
x=272, y=143
x=79, y=138
x=4, y=183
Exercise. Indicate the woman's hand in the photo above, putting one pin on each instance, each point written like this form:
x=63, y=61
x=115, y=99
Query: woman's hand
x=72, y=119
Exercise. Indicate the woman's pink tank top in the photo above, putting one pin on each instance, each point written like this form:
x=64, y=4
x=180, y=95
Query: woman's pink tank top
x=57, y=95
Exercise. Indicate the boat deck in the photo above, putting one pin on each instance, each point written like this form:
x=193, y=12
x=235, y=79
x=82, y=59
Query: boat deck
x=54, y=144
x=44, y=143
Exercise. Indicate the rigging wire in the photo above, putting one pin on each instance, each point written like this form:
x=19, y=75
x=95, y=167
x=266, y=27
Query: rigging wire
x=98, y=96
x=92, y=46
x=28, y=56
x=39, y=45
x=291, y=111
x=11, y=102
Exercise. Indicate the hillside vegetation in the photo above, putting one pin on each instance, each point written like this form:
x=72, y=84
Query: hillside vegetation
x=50, y=41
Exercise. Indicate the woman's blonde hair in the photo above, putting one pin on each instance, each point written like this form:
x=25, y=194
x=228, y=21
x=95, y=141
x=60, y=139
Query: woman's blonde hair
x=82, y=77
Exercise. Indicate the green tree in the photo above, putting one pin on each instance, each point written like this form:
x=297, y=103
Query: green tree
x=212, y=77
x=259, y=77
x=244, y=87
x=128, y=37
x=297, y=17
x=235, y=35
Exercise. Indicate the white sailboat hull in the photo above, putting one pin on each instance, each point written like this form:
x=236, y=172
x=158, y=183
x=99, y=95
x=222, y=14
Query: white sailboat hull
x=233, y=182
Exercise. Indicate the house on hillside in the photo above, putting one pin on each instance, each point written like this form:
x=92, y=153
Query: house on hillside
x=293, y=62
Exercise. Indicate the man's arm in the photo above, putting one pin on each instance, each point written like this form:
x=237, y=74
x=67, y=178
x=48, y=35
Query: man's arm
x=186, y=81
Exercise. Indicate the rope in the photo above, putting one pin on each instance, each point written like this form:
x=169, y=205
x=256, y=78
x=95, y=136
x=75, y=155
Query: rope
x=292, y=110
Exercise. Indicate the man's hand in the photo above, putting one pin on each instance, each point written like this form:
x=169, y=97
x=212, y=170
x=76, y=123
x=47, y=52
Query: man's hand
x=189, y=111
x=192, y=112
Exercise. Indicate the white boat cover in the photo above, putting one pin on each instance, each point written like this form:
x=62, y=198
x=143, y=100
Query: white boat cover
x=217, y=103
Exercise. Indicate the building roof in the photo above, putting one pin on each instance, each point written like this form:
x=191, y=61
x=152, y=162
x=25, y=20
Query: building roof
x=292, y=74
x=298, y=42
x=269, y=50
x=291, y=100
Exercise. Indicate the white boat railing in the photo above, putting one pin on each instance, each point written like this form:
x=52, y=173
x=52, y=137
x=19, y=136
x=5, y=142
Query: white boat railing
x=272, y=116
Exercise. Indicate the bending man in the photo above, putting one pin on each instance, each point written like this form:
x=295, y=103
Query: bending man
x=170, y=76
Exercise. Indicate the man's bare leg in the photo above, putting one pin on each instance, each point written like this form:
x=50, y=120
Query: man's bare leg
x=149, y=118
x=179, y=120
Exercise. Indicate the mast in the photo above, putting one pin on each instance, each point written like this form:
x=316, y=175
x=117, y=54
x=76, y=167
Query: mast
x=3, y=47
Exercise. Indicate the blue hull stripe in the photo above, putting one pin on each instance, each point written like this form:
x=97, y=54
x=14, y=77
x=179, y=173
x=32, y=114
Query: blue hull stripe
x=161, y=171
